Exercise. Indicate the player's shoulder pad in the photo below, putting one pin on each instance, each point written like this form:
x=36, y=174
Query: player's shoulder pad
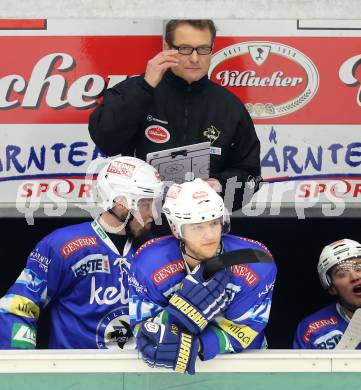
x=152, y=245
x=71, y=239
x=323, y=315
x=238, y=242
x=327, y=317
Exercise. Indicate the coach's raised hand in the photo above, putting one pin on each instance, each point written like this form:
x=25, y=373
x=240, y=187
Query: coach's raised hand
x=157, y=66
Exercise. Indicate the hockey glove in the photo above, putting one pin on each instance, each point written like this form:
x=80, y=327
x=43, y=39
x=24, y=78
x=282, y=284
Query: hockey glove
x=198, y=301
x=167, y=346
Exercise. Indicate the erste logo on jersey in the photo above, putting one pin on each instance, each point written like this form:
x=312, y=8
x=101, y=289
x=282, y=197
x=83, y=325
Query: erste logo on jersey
x=164, y=273
x=317, y=325
x=157, y=134
x=96, y=263
x=121, y=168
x=246, y=273
x=271, y=78
x=328, y=340
x=76, y=244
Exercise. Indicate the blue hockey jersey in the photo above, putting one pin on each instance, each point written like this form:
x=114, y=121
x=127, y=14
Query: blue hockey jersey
x=78, y=270
x=322, y=330
x=159, y=268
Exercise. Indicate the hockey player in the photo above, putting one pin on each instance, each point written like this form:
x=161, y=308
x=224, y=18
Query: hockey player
x=339, y=269
x=81, y=271
x=176, y=313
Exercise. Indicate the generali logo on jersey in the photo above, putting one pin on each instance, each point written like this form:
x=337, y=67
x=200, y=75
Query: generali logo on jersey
x=76, y=244
x=164, y=273
x=246, y=273
x=272, y=79
x=316, y=325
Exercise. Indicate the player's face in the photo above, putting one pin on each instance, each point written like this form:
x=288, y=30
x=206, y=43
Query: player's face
x=144, y=217
x=191, y=67
x=202, y=240
x=346, y=282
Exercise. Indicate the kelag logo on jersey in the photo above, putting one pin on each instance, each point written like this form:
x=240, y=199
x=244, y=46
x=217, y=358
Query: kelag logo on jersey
x=91, y=264
x=271, y=78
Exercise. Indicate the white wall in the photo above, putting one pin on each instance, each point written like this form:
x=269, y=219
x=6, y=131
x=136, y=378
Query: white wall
x=250, y=9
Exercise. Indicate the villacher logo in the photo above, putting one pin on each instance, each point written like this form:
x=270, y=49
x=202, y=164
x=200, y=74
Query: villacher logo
x=271, y=79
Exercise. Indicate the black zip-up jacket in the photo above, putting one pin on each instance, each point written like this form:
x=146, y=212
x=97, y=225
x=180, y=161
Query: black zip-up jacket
x=186, y=114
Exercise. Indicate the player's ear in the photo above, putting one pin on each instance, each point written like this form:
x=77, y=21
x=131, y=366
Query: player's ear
x=121, y=205
x=166, y=46
x=332, y=290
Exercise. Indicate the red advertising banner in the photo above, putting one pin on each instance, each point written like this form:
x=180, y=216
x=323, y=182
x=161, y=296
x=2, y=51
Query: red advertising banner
x=311, y=80
x=303, y=92
x=57, y=79
x=295, y=80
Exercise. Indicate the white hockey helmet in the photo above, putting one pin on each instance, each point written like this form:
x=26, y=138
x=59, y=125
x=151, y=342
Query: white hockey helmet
x=193, y=202
x=128, y=177
x=336, y=253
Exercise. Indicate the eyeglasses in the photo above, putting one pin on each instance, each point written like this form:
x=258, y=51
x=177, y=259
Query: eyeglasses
x=188, y=50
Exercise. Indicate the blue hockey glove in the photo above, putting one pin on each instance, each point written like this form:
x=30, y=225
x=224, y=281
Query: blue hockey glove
x=198, y=301
x=167, y=346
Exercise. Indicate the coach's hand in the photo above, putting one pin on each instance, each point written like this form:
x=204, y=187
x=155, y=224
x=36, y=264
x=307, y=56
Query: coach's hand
x=158, y=65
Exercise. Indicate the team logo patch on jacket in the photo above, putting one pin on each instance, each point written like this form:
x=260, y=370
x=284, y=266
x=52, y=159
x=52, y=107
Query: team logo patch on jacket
x=317, y=325
x=212, y=133
x=246, y=273
x=164, y=273
x=157, y=134
x=78, y=243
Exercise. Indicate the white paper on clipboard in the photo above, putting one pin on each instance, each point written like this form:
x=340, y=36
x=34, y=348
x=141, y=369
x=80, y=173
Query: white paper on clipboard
x=183, y=163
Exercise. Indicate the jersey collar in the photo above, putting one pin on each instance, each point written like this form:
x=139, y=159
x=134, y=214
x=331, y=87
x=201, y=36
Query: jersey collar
x=101, y=233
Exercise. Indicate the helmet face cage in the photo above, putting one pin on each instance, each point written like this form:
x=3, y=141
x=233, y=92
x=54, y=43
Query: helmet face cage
x=333, y=254
x=129, y=178
x=193, y=202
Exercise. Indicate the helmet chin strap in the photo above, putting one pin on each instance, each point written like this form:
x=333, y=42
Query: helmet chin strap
x=125, y=221
x=183, y=249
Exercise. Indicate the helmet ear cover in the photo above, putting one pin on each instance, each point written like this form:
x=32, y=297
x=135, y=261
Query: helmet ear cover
x=193, y=202
x=333, y=254
x=130, y=179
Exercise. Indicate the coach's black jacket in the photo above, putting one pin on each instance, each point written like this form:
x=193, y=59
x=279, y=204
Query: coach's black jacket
x=185, y=113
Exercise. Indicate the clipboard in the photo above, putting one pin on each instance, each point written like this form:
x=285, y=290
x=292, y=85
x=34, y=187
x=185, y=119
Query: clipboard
x=184, y=163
